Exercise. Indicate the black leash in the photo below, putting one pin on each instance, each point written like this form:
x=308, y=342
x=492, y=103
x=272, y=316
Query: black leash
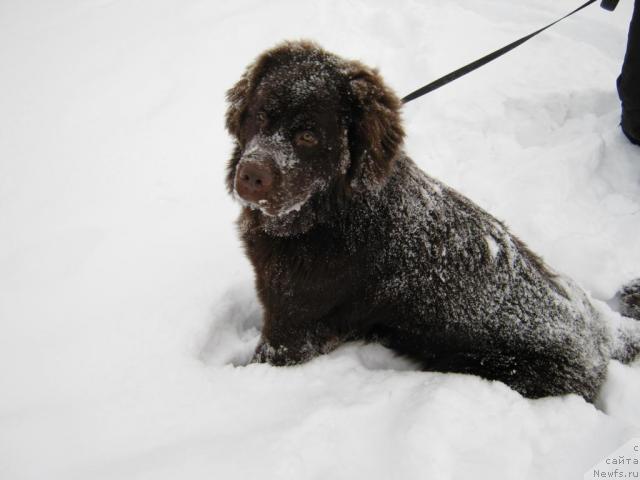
x=450, y=77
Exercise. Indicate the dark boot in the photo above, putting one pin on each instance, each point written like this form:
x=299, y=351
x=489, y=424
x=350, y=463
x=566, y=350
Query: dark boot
x=631, y=125
x=629, y=80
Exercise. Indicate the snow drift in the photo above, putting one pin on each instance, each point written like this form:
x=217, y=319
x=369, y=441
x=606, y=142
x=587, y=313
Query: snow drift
x=127, y=310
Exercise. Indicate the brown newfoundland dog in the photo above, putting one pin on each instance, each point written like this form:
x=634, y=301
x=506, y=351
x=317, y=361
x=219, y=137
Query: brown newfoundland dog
x=351, y=241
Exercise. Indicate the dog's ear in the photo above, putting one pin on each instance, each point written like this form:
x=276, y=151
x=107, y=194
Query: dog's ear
x=238, y=96
x=375, y=133
x=238, y=99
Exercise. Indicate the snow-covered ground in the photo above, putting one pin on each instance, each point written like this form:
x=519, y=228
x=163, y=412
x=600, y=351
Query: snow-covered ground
x=126, y=305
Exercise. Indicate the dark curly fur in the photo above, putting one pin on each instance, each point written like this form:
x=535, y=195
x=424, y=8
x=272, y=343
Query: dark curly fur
x=352, y=241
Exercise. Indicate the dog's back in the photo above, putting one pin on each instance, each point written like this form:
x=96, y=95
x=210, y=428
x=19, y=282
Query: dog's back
x=470, y=297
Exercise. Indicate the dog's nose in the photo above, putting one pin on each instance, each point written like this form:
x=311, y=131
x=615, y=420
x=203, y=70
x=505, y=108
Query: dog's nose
x=254, y=181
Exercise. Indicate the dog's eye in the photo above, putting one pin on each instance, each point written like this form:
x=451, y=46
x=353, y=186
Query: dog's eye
x=306, y=139
x=261, y=117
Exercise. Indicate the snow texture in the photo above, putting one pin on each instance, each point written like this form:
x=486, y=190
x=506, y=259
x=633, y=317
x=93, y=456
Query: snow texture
x=127, y=308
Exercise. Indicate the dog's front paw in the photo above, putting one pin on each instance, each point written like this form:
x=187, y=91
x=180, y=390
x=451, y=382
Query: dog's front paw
x=280, y=355
x=267, y=353
x=261, y=354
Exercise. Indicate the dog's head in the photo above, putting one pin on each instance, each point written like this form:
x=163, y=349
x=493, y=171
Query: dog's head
x=305, y=120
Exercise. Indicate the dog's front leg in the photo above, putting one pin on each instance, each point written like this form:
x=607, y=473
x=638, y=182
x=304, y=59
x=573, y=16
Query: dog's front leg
x=291, y=346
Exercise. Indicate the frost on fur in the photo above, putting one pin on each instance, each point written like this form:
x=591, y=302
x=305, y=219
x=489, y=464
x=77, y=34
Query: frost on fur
x=364, y=245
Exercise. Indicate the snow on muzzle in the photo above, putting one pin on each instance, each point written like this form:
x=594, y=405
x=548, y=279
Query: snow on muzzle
x=269, y=176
